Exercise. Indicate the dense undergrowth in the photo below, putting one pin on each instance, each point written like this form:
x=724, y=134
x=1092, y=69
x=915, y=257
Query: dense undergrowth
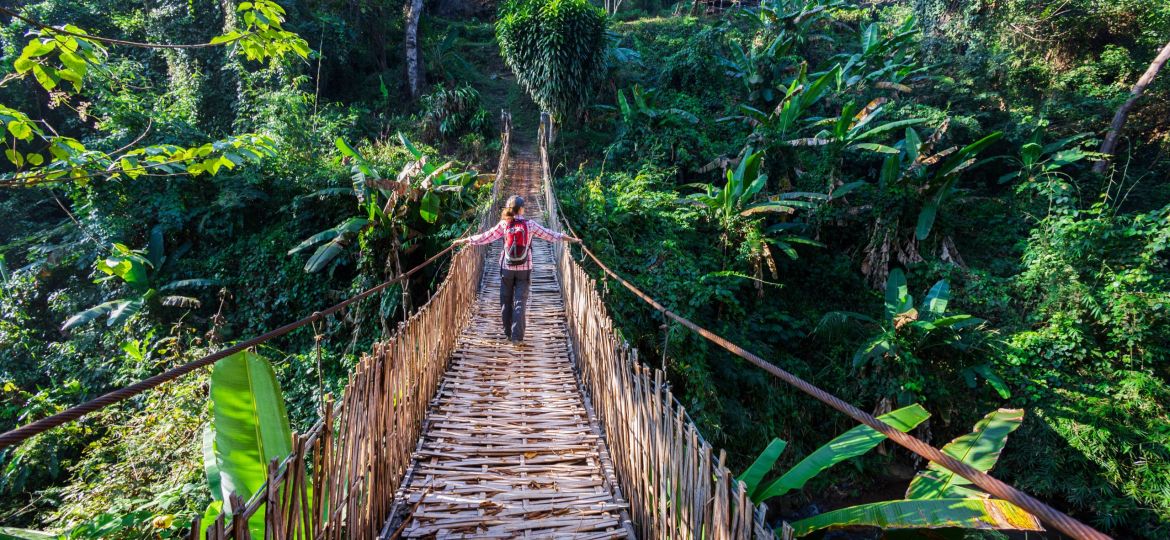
x=1066, y=269
x=949, y=140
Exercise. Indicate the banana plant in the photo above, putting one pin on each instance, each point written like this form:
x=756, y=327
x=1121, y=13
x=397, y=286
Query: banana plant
x=1039, y=166
x=739, y=209
x=782, y=26
x=852, y=443
x=910, y=342
x=249, y=429
x=139, y=270
x=914, y=165
x=641, y=111
x=855, y=126
x=883, y=60
x=940, y=499
x=918, y=182
x=738, y=199
x=789, y=116
x=388, y=204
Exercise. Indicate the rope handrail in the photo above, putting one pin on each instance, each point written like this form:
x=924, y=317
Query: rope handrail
x=1061, y=521
x=23, y=433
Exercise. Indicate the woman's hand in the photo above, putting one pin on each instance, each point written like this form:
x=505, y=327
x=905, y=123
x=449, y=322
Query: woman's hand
x=460, y=241
x=572, y=240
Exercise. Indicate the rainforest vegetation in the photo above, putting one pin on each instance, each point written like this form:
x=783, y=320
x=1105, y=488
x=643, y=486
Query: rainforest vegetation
x=952, y=206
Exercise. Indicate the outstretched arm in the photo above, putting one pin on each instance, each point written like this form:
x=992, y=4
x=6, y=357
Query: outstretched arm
x=549, y=235
x=486, y=237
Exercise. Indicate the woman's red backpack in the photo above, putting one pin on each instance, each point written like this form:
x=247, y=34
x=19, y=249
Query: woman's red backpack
x=516, y=242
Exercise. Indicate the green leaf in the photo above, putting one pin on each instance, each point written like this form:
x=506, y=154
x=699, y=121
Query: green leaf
x=20, y=130
x=211, y=463
x=124, y=310
x=929, y=514
x=873, y=147
x=926, y=218
x=346, y=149
x=210, y=514
x=850, y=444
x=189, y=284
x=993, y=379
x=936, y=300
x=45, y=75
x=15, y=157
x=410, y=147
x=156, y=249
x=968, y=152
x=429, y=207
x=890, y=126
x=847, y=188
x=325, y=254
x=11, y=533
x=251, y=425
x=897, y=293
x=22, y=64
x=89, y=315
x=762, y=465
x=1029, y=153
x=891, y=170
x=323, y=236
x=980, y=449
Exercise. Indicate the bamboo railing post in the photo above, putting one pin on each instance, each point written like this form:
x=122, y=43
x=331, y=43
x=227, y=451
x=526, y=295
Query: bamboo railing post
x=340, y=480
x=664, y=467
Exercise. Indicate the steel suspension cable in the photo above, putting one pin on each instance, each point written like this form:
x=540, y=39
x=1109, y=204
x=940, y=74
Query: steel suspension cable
x=26, y=431
x=1057, y=519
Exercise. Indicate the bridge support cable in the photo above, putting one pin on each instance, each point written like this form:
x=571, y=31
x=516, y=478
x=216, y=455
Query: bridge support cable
x=1057, y=519
x=677, y=484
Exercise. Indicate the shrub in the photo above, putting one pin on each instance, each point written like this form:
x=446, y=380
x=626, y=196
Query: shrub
x=450, y=112
x=556, y=48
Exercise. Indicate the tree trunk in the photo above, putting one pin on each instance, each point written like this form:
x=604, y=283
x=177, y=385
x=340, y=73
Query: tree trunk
x=1110, y=144
x=414, y=68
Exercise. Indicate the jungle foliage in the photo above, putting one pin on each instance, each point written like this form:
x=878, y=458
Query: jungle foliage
x=893, y=200
x=942, y=153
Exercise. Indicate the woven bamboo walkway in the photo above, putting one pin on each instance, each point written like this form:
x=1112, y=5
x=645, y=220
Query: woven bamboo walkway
x=511, y=448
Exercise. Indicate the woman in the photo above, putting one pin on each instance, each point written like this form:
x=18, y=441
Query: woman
x=515, y=261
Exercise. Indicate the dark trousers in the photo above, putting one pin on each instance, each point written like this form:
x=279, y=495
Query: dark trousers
x=513, y=300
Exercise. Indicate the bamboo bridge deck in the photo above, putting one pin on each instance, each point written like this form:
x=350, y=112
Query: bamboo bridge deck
x=510, y=447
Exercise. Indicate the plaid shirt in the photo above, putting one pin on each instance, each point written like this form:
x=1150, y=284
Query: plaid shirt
x=497, y=232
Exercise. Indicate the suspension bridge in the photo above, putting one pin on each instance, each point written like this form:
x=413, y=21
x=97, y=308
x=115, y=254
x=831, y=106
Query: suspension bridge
x=447, y=430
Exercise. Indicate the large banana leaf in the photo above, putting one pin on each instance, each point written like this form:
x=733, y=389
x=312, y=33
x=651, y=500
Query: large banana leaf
x=251, y=424
x=898, y=299
x=937, y=299
x=90, y=314
x=210, y=514
x=211, y=463
x=850, y=444
x=759, y=468
x=9, y=533
x=928, y=514
x=980, y=449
